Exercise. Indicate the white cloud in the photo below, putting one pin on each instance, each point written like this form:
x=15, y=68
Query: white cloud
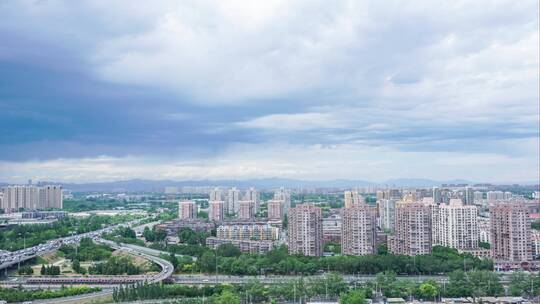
x=314, y=162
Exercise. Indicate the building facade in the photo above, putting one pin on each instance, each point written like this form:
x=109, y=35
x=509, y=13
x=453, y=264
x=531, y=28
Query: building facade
x=510, y=229
x=275, y=209
x=216, y=211
x=458, y=225
x=246, y=210
x=31, y=197
x=358, y=230
x=187, y=210
x=413, y=228
x=305, y=230
x=248, y=232
x=387, y=212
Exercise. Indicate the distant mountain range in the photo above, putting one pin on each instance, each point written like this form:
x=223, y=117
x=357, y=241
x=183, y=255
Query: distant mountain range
x=140, y=185
x=137, y=185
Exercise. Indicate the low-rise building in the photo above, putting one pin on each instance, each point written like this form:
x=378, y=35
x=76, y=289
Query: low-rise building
x=247, y=246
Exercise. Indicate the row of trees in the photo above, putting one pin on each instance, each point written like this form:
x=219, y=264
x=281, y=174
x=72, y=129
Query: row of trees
x=50, y=270
x=332, y=285
x=278, y=261
x=25, y=270
x=21, y=295
x=115, y=266
x=154, y=235
x=142, y=291
x=86, y=251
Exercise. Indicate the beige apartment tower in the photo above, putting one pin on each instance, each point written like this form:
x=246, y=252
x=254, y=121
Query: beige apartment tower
x=412, y=228
x=246, y=210
x=305, y=230
x=216, y=211
x=358, y=230
x=510, y=229
x=187, y=210
x=275, y=209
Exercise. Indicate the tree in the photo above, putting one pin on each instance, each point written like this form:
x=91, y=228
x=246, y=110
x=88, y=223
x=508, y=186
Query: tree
x=228, y=250
x=173, y=260
x=76, y=265
x=353, y=297
x=428, y=291
x=227, y=297
x=43, y=270
x=382, y=249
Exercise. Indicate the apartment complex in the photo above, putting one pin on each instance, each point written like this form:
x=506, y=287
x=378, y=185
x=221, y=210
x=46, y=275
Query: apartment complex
x=187, y=210
x=216, y=211
x=412, y=229
x=248, y=232
x=31, y=197
x=247, y=246
x=510, y=229
x=305, y=230
x=458, y=225
x=358, y=230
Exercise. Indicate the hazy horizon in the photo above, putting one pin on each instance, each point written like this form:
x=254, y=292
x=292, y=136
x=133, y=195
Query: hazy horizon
x=101, y=91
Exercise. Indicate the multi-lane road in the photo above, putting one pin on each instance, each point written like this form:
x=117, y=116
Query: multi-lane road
x=11, y=258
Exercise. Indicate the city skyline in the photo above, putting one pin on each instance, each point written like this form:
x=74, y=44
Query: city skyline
x=94, y=91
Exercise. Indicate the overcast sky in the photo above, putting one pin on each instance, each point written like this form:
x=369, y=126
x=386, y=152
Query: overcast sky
x=372, y=90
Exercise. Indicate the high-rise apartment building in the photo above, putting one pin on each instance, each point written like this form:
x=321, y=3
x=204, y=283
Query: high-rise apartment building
x=246, y=210
x=412, y=234
x=187, y=210
x=275, y=209
x=216, y=194
x=305, y=230
x=31, y=197
x=436, y=194
x=510, y=232
x=216, y=211
x=253, y=195
x=458, y=225
x=387, y=211
x=358, y=230
x=233, y=197
x=434, y=211
x=468, y=196
x=285, y=196
x=352, y=198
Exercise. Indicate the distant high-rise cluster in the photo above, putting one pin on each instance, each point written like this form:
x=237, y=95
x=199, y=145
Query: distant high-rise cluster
x=352, y=198
x=31, y=197
x=233, y=199
x=410, y=221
